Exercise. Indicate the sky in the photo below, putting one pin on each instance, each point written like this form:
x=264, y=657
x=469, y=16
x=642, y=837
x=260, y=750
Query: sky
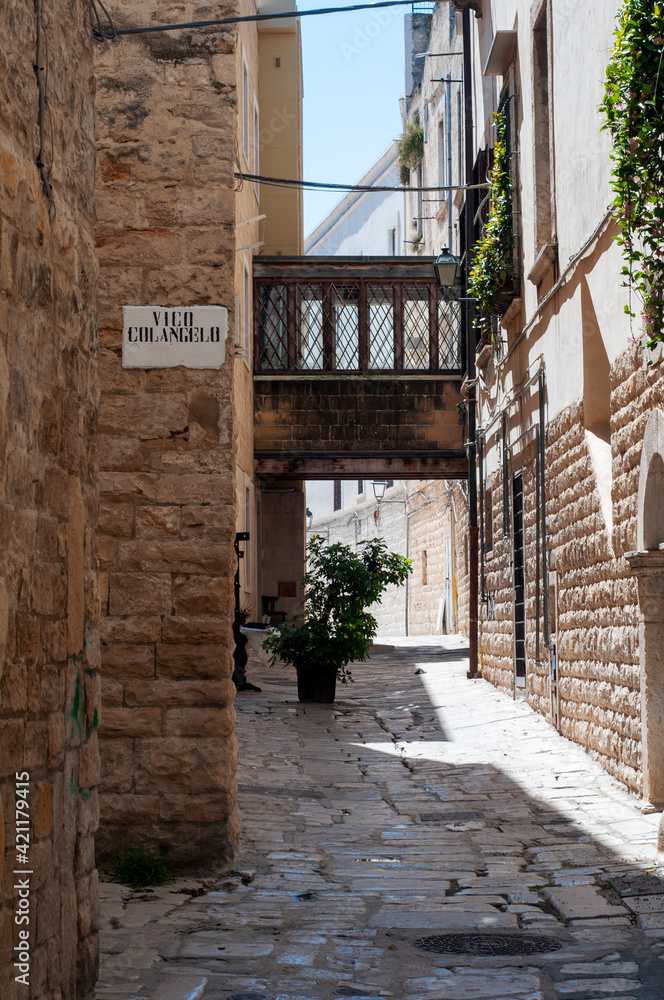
x=353, y=68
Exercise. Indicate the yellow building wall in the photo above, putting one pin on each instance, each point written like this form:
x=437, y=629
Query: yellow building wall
x=268, y=221
x=248, y=237
x=280, y=102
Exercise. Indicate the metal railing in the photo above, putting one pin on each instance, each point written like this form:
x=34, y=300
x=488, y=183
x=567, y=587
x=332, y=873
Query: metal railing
x=356, y=324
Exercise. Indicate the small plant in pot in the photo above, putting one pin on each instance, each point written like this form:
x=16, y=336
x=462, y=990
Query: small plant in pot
x=335, y=628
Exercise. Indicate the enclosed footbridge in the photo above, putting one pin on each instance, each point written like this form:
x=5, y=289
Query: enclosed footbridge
x=358, y=365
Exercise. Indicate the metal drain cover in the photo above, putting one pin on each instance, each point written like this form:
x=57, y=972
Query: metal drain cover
x=350, y=991
x=488, y=944
x=248, y=996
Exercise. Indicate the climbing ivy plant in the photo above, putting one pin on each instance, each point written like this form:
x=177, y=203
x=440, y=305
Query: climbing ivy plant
x=493, y=253
x=633, y=110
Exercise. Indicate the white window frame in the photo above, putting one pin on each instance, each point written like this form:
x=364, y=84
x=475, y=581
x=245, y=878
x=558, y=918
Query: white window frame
x=244, y=108
x=247, y=311
x=257, y=149
x=239, y=324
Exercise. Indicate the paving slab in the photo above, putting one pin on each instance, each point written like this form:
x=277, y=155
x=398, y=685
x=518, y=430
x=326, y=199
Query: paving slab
x=576, y=902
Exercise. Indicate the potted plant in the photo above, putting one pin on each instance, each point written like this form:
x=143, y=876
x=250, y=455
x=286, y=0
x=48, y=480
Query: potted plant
x=244, y=614
x=335, y=627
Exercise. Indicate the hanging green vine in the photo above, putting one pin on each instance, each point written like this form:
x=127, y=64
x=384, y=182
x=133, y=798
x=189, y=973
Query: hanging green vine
x=633, y=109
x=491, y=274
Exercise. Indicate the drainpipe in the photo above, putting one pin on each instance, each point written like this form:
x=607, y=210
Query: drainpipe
x=473, y=568
x=448, y=120
x=482, y=512
x=407, y=594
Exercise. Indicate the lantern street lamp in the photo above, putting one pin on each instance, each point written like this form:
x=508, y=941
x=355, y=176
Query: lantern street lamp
x=446, y=267
x=379, y=486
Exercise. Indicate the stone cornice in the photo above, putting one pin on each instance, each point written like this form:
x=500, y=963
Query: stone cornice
x=646, y=562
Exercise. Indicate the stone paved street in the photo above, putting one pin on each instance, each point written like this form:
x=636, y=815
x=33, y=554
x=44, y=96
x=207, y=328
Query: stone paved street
x=421, y=804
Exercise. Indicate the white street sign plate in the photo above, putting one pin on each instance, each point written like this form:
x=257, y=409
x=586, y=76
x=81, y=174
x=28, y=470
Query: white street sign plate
x=167, y=336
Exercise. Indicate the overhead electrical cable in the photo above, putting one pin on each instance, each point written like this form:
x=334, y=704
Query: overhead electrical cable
x=220, y=21
x=320, y=185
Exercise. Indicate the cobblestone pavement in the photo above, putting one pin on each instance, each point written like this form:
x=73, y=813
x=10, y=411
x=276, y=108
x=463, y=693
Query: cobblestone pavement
x=421, y=805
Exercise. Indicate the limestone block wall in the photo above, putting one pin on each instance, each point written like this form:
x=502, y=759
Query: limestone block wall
x=49, y=656
x=436, y=508
x=311, y=414
x=595, y=600
x=166, y=130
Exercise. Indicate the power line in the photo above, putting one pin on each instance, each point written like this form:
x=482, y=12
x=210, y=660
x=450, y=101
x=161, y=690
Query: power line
x=320, y=185
x=114, y=32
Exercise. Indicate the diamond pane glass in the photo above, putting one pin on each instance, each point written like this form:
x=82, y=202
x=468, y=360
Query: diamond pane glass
x=345, y=321
x=416, y=326
x=309, y=300
x=449, y=334
x=273, y=331
x=380, y=303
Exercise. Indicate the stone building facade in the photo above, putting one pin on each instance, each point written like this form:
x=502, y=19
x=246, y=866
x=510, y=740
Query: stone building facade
x=49, y=620
x=178, y=120
x=166, y=121
x=565, y=396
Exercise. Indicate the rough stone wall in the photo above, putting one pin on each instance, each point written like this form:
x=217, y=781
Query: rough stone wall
x=597, y=603
x=166, y=126
x=435, y=507
x=461, y=555
x=309, y=414
x=49, y=667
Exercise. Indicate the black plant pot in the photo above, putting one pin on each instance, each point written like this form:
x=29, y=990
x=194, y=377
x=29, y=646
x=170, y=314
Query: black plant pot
x=317, y=685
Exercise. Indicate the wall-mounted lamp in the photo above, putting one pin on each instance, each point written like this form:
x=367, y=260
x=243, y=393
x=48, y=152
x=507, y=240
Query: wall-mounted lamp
x=379, y=486
x=446, y=267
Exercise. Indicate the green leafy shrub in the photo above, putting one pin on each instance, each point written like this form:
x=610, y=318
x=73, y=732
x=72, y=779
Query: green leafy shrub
x=340, y=585
x=493, y=258
x=139, y=869
x=411, y=146
x=633, y=110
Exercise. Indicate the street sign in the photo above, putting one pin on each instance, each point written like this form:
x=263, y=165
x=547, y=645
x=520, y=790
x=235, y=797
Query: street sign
x=167, y=336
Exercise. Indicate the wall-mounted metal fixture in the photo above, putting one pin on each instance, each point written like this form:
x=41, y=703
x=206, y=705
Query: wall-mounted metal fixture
x=446, y=268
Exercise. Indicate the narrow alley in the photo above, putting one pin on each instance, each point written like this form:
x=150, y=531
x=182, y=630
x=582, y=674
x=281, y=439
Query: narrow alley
x=426, y=836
